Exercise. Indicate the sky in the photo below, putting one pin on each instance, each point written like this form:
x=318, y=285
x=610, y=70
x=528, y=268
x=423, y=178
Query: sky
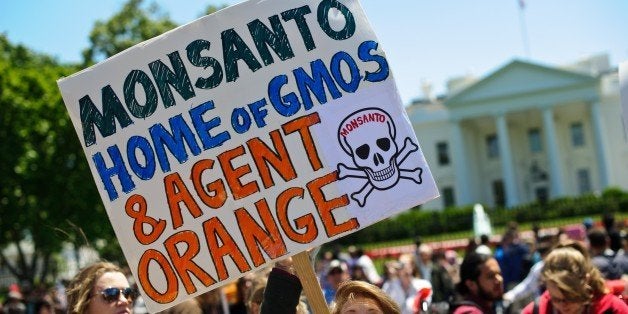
x=425, y=41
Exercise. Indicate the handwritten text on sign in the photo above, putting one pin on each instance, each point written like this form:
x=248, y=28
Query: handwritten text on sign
x=213, y=151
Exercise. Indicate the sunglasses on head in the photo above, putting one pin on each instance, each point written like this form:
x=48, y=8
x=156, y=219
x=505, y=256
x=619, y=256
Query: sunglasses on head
x=113, y=294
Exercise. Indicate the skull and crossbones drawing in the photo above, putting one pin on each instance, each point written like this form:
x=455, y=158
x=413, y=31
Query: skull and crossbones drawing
x=369, y=137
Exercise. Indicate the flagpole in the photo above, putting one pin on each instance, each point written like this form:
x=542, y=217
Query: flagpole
x=524, y=31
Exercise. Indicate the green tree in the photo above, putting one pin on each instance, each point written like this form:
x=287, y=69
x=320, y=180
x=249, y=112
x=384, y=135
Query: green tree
x=47, y=193
x=128, y=27
x=45, y=183
x=213, y=8
x=131, y=25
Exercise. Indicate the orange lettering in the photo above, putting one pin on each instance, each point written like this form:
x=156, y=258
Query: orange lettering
x=325, y=207
x=177, y=192
x=183, y=263
x=302, y=125
x=262, y=156
x=304, y=222
x=253, y=233
x=215, y=234
x=217, y=188
x=233, y=175
x=172, y=285
x=140, y=218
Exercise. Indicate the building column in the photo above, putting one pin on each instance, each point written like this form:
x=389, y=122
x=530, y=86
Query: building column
x=600, y=145
x=555, y=167
x=462, y=189
x=508, y=169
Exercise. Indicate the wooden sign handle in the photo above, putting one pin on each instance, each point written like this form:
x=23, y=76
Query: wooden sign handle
x=309, y=281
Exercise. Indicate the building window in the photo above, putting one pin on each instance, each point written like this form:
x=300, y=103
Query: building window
x=442, y=150
x=534, y=139
x=584, y=181
x=498, y=193
x=492, y=146
x=577, y=134
x=448, y=196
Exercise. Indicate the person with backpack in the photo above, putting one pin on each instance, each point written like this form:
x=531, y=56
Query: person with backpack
x=573, y=285
x=481, y=285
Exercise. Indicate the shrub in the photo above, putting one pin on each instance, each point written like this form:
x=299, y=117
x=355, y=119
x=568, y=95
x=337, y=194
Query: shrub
x=421, y=222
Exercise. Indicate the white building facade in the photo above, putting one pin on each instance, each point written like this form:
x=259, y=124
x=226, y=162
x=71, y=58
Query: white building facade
x=523, y=133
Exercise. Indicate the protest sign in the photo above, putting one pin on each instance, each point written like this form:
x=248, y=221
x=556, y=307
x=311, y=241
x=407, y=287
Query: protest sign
x=244, y=137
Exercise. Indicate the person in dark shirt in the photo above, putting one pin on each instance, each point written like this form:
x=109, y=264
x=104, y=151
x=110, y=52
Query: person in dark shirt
x=480, y=287
x=613, y=234
x=510, y=255
x=600, y=256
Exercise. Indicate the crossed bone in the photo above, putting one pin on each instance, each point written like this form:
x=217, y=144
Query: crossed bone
x=410, y=174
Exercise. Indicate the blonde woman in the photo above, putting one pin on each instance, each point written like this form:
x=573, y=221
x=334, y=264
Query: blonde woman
x=354, y=296
x=574, y=285
x=101, y=288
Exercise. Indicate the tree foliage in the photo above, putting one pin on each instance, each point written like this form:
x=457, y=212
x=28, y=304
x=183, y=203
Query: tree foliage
x=131, y=25
x=128, y=27
x=213, y=8
x=45, y=184
x=47, y=193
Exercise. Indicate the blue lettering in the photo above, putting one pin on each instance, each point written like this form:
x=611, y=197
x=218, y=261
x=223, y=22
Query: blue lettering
x=145, y=172
x=258, y=113
x=364, y=54
x=118, y=169
x=203, y=127
x=286, y=105
x=315, y=83
x=240, y=120
x=174, y=142
x=336, y=71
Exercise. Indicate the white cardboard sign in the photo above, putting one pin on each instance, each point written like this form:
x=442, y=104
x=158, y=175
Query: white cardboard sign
x=246, y=136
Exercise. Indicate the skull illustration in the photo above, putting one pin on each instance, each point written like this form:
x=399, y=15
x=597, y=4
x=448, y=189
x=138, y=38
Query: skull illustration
x=368, y=136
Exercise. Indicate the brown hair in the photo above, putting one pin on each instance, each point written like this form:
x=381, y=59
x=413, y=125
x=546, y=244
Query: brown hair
x=569, y=267
x=351, y=289
x=80, y=287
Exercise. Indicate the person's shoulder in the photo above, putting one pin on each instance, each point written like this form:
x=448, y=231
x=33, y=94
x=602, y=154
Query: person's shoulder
x=541, y=305
x=529, y=309
x=522, y=248
x=541, y=302
x=602, y=258
x=610, y=301
x=467, y=309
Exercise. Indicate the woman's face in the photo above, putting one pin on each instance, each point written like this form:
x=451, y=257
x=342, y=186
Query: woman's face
x=98, y=304
x=361, y=305
x=561, y=303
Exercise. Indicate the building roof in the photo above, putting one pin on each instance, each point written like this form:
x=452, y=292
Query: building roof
x=519, y=78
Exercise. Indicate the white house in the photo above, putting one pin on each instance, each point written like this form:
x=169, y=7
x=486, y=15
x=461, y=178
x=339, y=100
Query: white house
x=524, y=132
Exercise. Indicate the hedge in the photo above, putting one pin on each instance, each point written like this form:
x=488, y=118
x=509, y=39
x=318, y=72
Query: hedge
x=417, y=222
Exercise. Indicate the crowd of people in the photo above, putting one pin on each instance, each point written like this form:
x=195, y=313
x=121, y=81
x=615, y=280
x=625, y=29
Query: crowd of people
x=547, y=273
x=40, y=300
